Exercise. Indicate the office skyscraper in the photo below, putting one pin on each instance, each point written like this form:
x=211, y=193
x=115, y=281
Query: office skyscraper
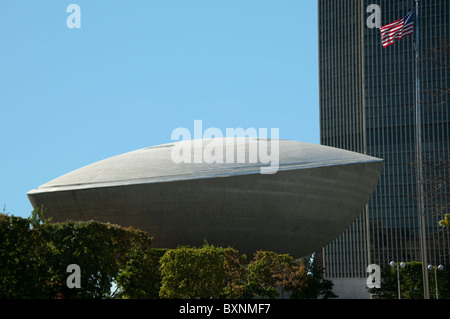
x=367, y=105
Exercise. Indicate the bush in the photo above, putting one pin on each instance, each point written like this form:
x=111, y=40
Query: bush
x=34, y=255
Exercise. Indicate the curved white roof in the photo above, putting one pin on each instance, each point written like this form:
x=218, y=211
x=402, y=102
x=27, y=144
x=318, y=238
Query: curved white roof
x=156, y=164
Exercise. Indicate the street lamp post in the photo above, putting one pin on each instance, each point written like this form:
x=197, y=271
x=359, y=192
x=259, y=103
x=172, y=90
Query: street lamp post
x=394, y=264
x=440, y=267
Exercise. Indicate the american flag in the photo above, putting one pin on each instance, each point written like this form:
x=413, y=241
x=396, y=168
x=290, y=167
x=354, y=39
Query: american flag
x=397, y=29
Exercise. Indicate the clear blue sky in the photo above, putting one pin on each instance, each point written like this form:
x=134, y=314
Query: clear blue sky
x=138, y=69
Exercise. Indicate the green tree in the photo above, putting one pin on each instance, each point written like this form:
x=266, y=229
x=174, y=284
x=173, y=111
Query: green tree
x=99, y=249
x=446, y=221
x=293, y=278
x=23, y=265
x=235, y=274
x=34, y=255
x=443, y=282
x=193, y=272
x=411, y=282
x=389, y=287
x=314, y=285
x=141, y=276
x=266, y=272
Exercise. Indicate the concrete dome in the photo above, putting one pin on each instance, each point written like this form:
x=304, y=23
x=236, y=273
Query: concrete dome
x=311, y=196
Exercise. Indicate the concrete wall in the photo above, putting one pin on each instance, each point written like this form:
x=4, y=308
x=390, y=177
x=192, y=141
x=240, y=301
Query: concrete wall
x=353, y=288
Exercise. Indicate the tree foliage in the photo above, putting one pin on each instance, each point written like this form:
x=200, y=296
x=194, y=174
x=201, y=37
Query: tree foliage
x=316, y=286
x=411, y=282
x=212, y=272
x=193, y=272
x=23, y=268
x=35, y=254
x=99, y=249
x=235, y=274
x=140, y=278
x=446, y=221
x=268, y=271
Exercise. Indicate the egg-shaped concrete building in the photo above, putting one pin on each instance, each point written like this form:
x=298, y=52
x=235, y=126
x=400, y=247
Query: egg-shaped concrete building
x=313, y=194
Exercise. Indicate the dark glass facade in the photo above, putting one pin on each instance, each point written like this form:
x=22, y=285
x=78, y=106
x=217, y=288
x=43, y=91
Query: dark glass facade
x=367, y=105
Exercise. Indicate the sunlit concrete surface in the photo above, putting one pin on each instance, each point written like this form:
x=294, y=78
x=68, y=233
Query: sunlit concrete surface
x=316, y=193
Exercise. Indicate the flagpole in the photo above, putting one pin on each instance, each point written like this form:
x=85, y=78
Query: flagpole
x=420, y=203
